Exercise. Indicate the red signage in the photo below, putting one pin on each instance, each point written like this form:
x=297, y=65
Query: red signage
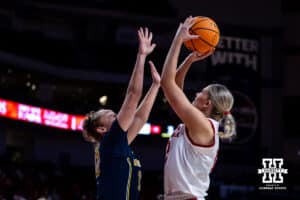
x=42, y=116
x=46, y=117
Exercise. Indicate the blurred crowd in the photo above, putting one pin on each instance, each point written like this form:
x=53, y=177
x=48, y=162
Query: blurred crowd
x=44, y=181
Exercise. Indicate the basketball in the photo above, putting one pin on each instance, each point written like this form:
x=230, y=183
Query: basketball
x=208, y=32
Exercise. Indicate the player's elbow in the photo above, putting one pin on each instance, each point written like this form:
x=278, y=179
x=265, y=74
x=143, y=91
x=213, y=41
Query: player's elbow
x=142, y=118
x=164, y=82
x=134, y=92
x=167, y=85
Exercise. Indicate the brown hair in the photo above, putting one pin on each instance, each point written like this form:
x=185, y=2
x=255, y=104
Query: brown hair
x=90, y=123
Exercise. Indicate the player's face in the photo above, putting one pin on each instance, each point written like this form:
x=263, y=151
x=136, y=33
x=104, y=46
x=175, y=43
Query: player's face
x=107, y=118
x=201, y=100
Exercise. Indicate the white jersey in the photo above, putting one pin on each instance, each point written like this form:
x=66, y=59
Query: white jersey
x=188, y=165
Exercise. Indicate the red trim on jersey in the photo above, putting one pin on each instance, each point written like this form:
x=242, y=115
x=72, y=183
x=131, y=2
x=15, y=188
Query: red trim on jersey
x=202, y=145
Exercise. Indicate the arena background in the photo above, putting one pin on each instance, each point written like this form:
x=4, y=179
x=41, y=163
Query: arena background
x=64, y=55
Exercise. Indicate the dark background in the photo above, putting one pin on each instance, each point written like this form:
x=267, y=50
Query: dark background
x=76, y=51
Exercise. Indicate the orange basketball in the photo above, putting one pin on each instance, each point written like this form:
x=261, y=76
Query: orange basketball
x=208, y=32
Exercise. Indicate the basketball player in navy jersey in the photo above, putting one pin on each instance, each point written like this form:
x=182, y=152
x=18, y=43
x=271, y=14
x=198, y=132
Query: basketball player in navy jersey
x=118, y=171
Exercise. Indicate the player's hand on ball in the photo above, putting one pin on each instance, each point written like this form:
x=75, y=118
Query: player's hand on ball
x=183, y=30
x=196, y=56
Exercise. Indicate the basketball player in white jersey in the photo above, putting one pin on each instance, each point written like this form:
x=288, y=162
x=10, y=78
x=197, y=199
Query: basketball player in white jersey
x=192, y=150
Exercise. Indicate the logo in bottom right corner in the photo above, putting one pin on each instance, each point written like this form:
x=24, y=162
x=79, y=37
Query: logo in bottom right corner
x=272, y=174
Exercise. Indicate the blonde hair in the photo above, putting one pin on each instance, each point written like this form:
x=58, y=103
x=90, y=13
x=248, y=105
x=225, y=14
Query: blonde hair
x=222, y=101
x=90, y=123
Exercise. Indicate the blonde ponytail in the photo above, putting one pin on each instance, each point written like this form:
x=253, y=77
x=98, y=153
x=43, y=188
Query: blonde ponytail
x=222, y=101
x=229, y=128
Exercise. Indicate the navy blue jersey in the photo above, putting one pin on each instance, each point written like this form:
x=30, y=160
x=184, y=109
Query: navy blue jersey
x=120, y=170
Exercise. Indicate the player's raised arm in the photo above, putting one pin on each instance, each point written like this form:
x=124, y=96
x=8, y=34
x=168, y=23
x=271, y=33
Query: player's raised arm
x=186, y=64
x=135, y=87
x=145, y=106
x=189, y=114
